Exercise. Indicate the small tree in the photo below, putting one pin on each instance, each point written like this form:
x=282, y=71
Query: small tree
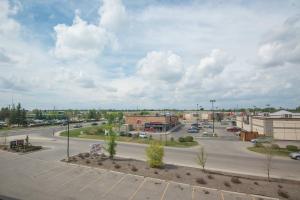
x=202, y=157
x=111, y=143
x=269, y=156
x=155, y=154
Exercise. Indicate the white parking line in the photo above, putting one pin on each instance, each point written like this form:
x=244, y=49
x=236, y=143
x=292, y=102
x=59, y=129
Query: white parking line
x=110, y=189
x=132, y=196
x=165, y=190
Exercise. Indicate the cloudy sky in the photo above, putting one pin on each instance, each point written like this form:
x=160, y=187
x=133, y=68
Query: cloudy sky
x=149, y=53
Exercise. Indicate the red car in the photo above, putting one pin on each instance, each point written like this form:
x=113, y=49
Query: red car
x=233, y=129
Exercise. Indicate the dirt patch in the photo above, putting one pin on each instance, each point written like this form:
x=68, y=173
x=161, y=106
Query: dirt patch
x=194, y=176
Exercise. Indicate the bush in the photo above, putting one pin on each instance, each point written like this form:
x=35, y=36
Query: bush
x=134, y=169
x=275, y=146
x=155, y=154
x=189, y=139
x=181, y=139
x=235, y=180
x=172, y=139
x=291, y=147
x=258, y=145
x=201, y=181
x=87, y=161
x=210, y=176
x=227, y=184
x=111, y=144
x=188, y=173
x=117, y=166
x=283, y=194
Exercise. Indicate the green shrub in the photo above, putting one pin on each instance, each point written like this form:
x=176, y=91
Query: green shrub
x=155, y=154
x=172, y=139
x=258, y=145
x=100, y=131
x=292, y=147
x=189, y=139
x=181, y=139
x=111, y=143
x=275, y=146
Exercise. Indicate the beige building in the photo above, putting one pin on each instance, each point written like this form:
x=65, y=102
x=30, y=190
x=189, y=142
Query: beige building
x=281, y=125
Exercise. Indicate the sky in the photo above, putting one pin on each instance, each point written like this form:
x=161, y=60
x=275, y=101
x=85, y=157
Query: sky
x=125, y=54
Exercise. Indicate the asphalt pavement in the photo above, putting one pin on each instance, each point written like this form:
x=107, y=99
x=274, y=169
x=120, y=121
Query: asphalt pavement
x=23, y=177
x=223, y=155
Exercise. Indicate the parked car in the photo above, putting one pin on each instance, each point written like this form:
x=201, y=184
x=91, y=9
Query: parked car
x=262, y=140
x=193, y=130
x=77, y=126
x=94, y=124
x=295, y=155
x=233, y=129
x=195, y=127
x=207, y=126
x=143, y=135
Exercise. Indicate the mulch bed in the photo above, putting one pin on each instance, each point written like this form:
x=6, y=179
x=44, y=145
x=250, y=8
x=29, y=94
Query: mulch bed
x=25, y=149
x=194, y=176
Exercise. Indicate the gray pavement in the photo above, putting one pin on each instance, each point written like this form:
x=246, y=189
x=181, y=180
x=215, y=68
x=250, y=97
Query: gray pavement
x=23, y=177
x=223, y=155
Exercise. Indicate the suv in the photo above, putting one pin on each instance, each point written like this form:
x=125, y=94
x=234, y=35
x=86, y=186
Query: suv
x=295, y=155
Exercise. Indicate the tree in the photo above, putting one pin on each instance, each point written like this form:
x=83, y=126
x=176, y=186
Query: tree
x=269, y=156
x=111, y=143
x=202, y=157
x=155, y=154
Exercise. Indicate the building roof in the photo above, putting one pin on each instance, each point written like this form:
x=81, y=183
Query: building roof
x=281, y=112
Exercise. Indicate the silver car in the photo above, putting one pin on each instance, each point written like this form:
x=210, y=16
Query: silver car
x=295, y=155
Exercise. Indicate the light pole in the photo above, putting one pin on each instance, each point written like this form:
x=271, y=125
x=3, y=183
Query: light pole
x=68, y=143
x=213, y=114
x=197, y=114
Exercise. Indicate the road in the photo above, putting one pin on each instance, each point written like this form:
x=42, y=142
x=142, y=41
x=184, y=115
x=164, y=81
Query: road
x=223, y=155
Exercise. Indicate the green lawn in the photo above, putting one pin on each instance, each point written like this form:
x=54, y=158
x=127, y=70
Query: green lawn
x=276, y=152
x=91, y=133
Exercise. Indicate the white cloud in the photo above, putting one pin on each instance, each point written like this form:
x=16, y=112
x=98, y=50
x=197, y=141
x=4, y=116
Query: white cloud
x=282, y=45
x=81, y=40
x=208, y=68
x=159, y=65
x=112, y=14
x=8, y=27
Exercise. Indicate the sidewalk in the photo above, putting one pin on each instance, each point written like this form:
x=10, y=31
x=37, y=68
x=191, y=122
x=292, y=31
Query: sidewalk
x=26, y=178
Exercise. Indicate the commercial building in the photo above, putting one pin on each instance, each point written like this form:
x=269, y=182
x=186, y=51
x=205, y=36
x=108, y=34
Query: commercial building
x=281, y=125
x=151, y=123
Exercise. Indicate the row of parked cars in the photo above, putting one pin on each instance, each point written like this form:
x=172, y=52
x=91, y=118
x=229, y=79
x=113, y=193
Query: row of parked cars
x=195, y=127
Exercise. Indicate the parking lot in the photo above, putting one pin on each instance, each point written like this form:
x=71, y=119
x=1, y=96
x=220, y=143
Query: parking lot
x=23, y=177
x=220, y=130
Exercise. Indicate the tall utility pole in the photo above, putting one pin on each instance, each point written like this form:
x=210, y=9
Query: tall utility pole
x=68, y=145
x=213, y=113
x=197, y=114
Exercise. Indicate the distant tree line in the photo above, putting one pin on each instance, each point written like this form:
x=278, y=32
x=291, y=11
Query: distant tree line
x=14, y=115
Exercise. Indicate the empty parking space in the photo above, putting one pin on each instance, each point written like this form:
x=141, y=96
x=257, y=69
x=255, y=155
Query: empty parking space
x=177, y=191
x=226, y=195
x=125, y=188
x=201, y=193
x=101, y=186
x=151, y=189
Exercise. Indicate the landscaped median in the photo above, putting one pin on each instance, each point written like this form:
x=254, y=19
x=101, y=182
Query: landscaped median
x=98, y=133
x=275, y=149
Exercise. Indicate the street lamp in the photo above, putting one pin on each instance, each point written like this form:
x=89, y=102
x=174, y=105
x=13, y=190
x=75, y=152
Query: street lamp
x=68, y=143
x=212, y=101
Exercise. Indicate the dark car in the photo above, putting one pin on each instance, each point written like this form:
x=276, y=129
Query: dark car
x=94, y=124
x=193, y=130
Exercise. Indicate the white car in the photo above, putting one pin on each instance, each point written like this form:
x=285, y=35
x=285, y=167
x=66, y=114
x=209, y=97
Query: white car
x=295, y=155
x=143, y=135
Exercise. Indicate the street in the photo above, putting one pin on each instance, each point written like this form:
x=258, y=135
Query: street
x=223, y=155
